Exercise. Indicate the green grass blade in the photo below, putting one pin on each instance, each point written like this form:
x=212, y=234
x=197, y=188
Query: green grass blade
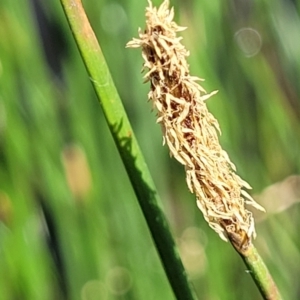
x=127, y=145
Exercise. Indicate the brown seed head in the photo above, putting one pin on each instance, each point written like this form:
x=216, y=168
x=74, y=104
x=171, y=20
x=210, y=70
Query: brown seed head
x=189, y=130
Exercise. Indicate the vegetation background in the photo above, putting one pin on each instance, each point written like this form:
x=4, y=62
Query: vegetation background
x=70, y=226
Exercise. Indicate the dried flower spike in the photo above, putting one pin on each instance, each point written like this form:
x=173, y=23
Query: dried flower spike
x=190, y=131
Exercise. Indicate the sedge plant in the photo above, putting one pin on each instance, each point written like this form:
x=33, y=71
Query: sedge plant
x=191, y=133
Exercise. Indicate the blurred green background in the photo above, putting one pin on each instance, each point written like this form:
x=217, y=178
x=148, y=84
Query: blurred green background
x=70, y=225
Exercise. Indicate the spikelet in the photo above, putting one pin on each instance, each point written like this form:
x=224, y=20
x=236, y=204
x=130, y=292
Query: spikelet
x=190, y=130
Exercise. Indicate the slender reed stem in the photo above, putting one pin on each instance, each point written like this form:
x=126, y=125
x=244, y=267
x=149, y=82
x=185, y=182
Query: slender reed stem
x=127, y=145
x=257, y=269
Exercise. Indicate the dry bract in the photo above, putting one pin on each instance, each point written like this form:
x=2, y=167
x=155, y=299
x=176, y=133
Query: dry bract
x=189, y=130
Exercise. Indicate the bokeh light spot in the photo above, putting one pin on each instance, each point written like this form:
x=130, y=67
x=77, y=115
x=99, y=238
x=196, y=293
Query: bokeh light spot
x=94, y=290
x=249, y=41
x=119, y=280
x=113, y=18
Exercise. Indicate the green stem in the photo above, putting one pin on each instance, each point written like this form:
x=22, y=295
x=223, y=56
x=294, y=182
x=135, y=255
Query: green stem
x=127, y=145
x=259, y=272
